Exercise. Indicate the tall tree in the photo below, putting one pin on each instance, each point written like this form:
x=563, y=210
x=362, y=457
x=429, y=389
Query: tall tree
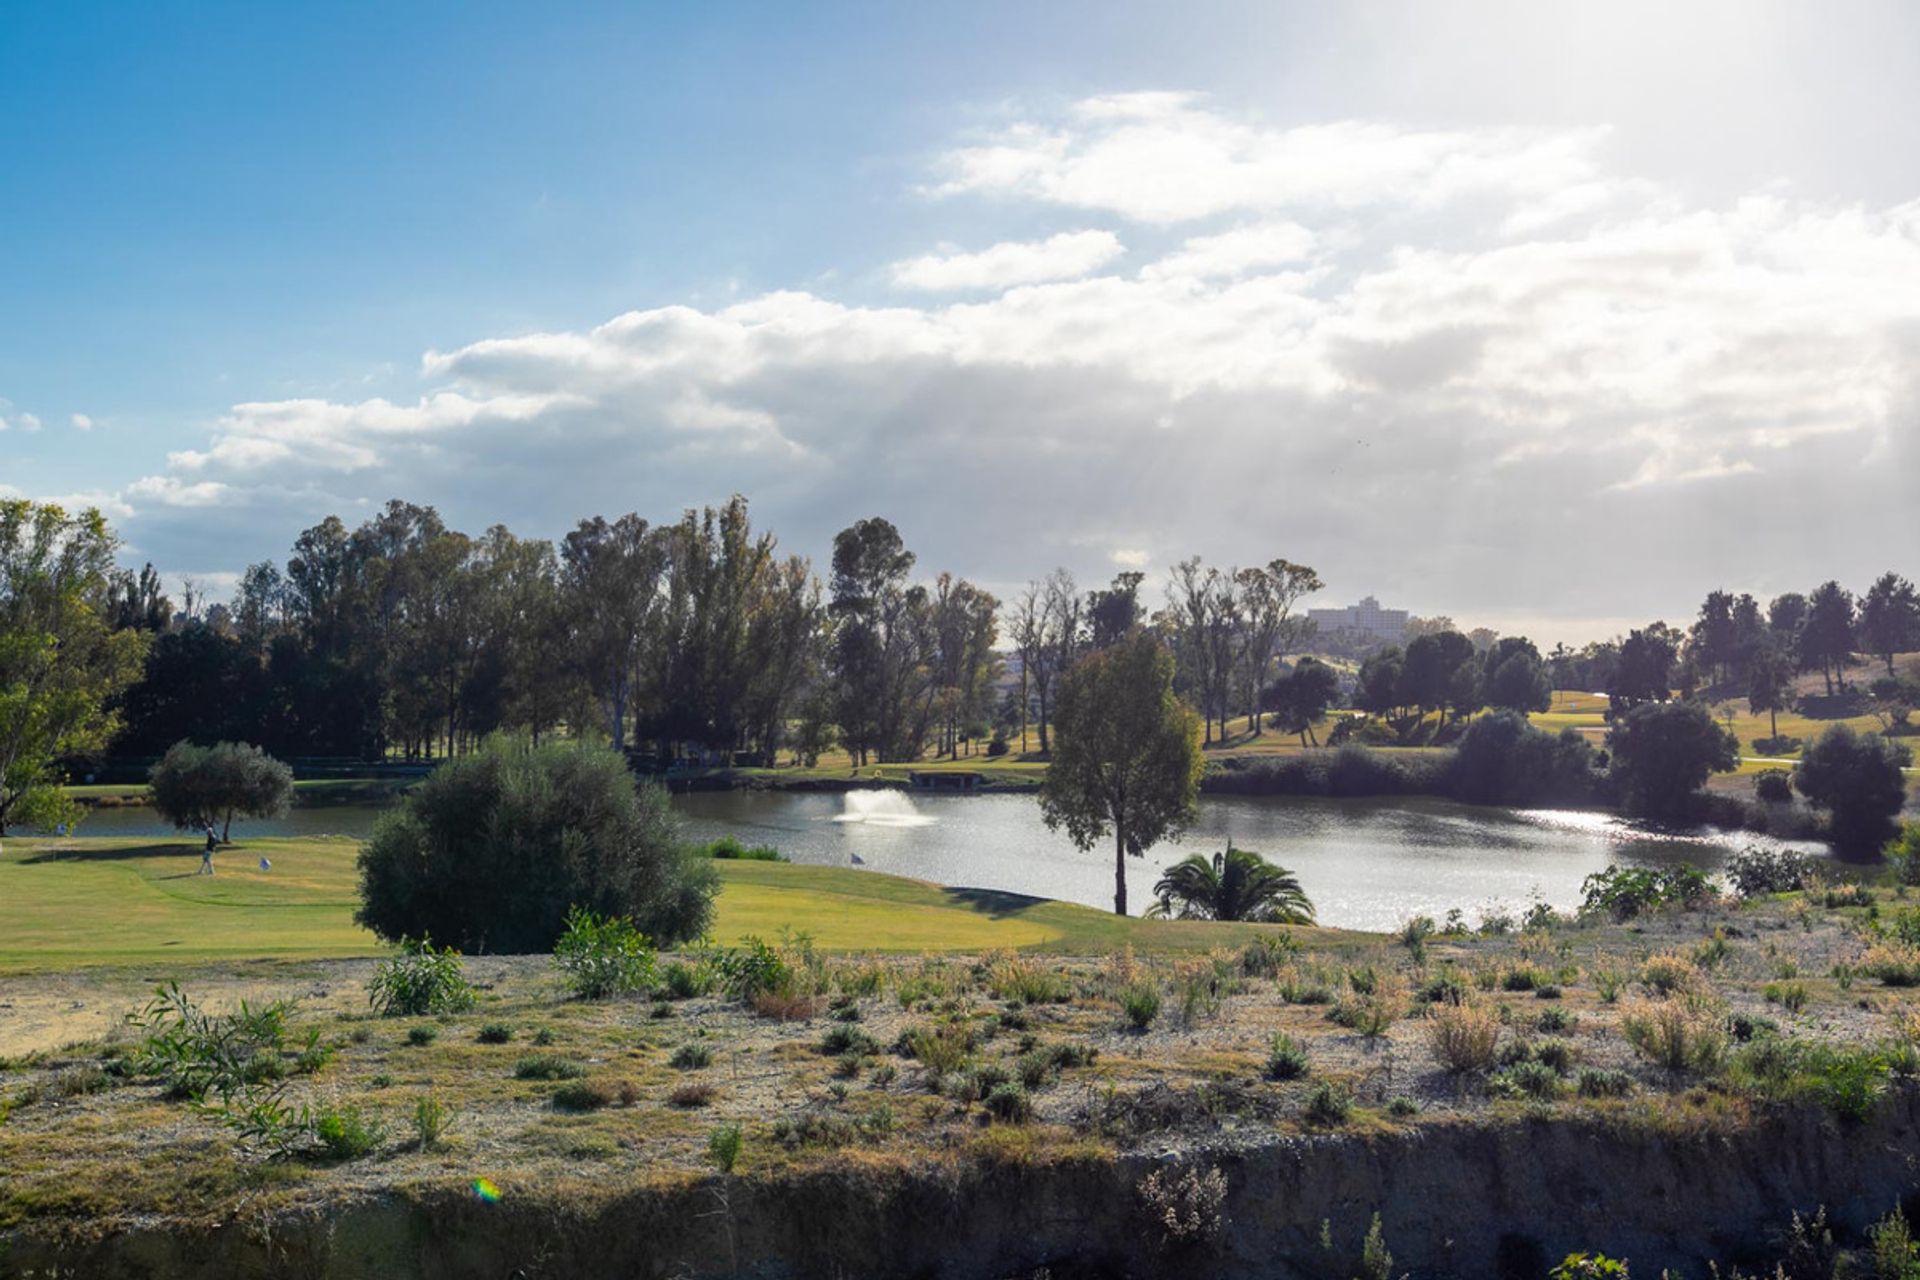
x=1770, y=686
x=1663, y=752
x=1644, y=671
x=1432, y=678
x=1712, y=637
x=1268, y=597
x=62, y=663
x=610, y=595
x=1114, y=611
x=1126, y=755
x=1890, y=618
x=880, y=640
x=1827, y=639
x=1516, y=677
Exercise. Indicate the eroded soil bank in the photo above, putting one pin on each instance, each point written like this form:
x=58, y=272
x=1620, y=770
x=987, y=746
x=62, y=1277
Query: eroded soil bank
x=1475, y=1198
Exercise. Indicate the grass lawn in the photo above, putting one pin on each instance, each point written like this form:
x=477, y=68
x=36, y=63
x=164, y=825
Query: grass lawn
x=128, y=901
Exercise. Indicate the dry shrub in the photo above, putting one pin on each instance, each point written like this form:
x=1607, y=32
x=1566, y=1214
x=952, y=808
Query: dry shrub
x=1463, y=1037
x=1121, y=970
x=1680, y=1035
x=696, y=1093
x=1894, y=963
x=1186, y=1206
x=1671, y=972
x=784, y=1007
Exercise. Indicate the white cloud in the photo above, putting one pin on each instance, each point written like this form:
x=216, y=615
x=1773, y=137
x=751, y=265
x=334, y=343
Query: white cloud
x=81, y=422
x=28, y=422
x=1236, y=252
x=1066, y=256
x=1167, y=158
x=1479, y=414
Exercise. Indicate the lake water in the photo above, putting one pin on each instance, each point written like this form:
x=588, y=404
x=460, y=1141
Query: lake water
x=1367, y=864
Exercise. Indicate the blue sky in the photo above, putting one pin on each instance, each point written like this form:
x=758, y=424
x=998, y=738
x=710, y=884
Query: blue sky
x=1272, y=280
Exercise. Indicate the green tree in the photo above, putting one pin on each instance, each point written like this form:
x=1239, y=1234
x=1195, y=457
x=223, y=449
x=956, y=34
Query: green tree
x=1300, y=699
x=198, y=787
x=1770, y=685
x=1431, y=678
x=1890, y=618
x=1378, y=690
x=1126, y=754
x=1235, y=885
x=1826, y=639
x=494, y=849
x=62, y=663
x=1644, y=669
x=1662, y=754
x=1516, y=677
x=1855, y=777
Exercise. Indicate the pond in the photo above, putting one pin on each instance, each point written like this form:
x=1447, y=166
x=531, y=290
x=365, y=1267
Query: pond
x=1367, y=864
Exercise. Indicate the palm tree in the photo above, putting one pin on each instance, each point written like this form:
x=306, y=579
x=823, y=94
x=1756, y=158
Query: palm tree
x=1236, y=885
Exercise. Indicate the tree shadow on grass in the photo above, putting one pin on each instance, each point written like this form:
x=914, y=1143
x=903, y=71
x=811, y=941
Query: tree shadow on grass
x=995, y=903
x=130, y=853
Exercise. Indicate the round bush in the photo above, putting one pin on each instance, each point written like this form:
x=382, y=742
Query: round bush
x=1774, y=786
x=494, y=849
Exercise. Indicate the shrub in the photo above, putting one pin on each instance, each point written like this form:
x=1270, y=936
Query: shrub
x=1903, y=853
x=423, y=1035
x=586, y=1095
x=1016, y=977
x=1756, y=871
x=1184, y=1206
x=603, y=956
x=1588, y=1266
x=1328, y=1103
x=1009, y=1103
x=1621, y=893
x=1287, y=1059
x=199, y=787
x=682, y=981
x=494, y=849
x=694, y=1093
x=1670, y=972
x=547, y=1066
x=939, y=1049
x=1894, y=964
x=753, y=968
x=195, y=1054
x=415, y=980
x=729, y=849
x=1601, y=1082
x=495, y=1033
x=1677, y=1035
x=692, y=1056
x=1141, y=1005
x=1535, y=1080
x=1553, y=1019
x=1463, y=1038
x=1773, y=786
x=846, y=1040
x=431, y=1120
x=1791, y=996
x=724, y=1145
x=345, y=1132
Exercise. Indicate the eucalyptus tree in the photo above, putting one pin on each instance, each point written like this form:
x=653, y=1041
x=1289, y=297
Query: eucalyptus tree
x=1890, y=618
x=1827, y=638
x=1126, y=759
x=62, y=662
x=610, y=586
x=1268, y=596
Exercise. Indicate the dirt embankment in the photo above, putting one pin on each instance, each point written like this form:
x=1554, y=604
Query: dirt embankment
x=1470, y=1199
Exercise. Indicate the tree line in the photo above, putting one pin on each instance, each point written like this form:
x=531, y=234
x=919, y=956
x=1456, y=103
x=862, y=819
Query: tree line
x=1737, y=645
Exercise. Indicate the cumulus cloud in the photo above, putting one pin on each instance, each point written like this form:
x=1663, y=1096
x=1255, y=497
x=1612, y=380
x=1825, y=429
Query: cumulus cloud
x=81, y=422
x=1471, y=371
x=28, y=422
x=1066, y=256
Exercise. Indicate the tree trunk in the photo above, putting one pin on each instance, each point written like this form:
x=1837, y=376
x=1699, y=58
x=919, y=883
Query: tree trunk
x=1773, y=724
x=1119, y=870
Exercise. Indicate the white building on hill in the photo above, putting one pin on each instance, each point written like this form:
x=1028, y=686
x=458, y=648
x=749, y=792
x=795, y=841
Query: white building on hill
x=1366, y=618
